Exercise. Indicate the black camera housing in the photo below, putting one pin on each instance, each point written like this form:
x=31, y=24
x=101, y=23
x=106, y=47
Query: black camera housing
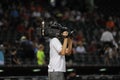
x=53, y=29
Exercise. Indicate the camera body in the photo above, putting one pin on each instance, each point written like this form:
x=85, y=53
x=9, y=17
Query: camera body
x=54, y=29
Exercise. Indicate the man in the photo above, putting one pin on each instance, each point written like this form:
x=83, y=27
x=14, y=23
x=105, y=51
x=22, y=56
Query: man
x=107, y=38
x=1, y=55
x=14, y=58
x=40, y=55
x=57, y=64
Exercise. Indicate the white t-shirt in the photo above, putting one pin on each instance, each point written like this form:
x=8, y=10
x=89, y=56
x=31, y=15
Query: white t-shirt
x=80, y=49
x=57, y=61
x=107, y=36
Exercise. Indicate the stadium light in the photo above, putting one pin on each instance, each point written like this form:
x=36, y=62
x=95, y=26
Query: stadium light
x=70, y=70
x=36, y=70
x=1, y=70
x=102, y=69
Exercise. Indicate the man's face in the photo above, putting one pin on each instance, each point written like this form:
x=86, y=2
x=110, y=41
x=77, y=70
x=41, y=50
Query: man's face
x=65, y=33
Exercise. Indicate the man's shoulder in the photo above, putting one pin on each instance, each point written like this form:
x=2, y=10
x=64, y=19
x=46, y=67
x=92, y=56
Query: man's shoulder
x=54, y=38
x=107, y=32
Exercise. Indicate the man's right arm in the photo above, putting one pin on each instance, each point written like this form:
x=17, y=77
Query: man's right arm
x=69, y=46
x=64, y=46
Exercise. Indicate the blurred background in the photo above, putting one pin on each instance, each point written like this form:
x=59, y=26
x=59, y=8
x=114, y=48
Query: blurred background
x=91, y=59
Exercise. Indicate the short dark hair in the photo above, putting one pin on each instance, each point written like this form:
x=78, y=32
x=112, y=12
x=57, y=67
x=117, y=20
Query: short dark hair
x=13, y=49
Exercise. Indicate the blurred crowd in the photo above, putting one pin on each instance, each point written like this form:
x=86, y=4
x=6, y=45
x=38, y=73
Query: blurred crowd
x=21, y=39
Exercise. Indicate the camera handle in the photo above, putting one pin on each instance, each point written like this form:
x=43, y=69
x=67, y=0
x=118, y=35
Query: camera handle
x=43, y=28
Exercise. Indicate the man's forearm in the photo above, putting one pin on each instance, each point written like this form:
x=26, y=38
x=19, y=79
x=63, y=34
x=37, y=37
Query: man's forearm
x=63, y=52
x=69, y=45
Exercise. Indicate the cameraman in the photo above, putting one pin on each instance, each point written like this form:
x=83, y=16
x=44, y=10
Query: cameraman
x=57, y=64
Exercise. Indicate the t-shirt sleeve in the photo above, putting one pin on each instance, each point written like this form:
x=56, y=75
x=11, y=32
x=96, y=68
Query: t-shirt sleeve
x=57, y=44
